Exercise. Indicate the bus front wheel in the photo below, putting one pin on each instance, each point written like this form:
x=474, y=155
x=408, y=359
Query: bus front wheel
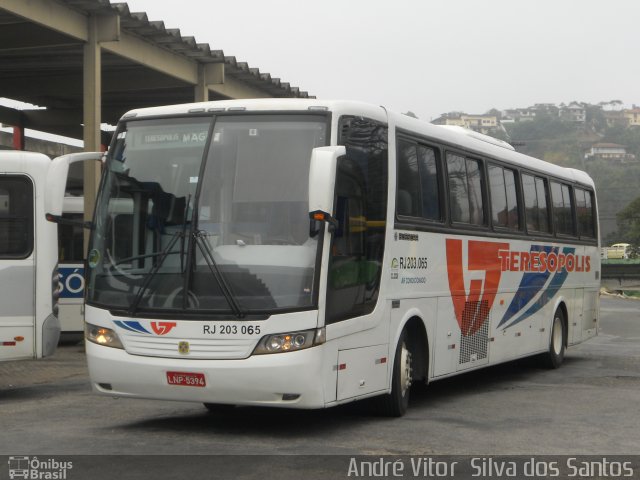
x=395, y=404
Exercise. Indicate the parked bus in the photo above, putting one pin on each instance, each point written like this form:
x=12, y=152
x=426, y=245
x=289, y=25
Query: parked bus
x=71, y=268
x=307, y=253
x=31, y=185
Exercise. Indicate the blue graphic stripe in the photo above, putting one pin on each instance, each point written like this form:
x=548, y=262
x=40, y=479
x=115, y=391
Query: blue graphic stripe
x=132, y=326
x=554, y=286
x=530, y=285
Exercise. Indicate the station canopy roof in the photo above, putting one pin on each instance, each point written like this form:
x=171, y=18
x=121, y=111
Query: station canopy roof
x=144, y=63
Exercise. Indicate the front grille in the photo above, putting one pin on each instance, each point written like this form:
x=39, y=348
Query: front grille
x=201, y=349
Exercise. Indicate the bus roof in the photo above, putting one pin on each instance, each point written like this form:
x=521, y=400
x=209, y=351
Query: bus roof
x=30, y=163
x=460, y=137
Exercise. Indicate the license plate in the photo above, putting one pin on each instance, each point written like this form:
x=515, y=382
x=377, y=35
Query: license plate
x=186, y=379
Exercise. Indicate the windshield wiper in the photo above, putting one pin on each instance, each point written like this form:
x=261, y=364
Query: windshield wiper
x=145, y=285
x=184, y=234
x=213, y=267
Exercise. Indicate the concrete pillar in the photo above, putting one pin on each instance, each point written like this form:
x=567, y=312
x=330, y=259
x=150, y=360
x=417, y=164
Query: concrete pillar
x=201, y=88
x=208, y=74
x=92, y=84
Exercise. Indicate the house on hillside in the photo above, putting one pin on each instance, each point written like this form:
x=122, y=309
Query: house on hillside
x=451, y=118
x=609, y=151
x=574, y=112
x=632, y=116
x=546, y=108
x=479, y=123
x=615, y=118
x=515, y=115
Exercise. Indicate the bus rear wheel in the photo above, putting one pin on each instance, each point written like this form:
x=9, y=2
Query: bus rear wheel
x=555, y=355
x=395, y=404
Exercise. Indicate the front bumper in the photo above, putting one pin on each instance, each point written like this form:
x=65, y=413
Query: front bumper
x=293, y=379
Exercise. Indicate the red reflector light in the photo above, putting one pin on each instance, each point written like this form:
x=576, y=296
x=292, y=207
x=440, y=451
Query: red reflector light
x=8, y=344
x=342, y=366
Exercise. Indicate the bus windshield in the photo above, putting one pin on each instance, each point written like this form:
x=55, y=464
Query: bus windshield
x=201, y=216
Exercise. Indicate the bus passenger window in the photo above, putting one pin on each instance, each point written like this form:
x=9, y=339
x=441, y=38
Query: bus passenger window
x=562, y=208
x=408, y=195
x=535, y=192
x=16, y=217
x=418, y=192
x=542, y=192
x=429, y=175
x=584, y=211
x=465, y=190
x=504, y=205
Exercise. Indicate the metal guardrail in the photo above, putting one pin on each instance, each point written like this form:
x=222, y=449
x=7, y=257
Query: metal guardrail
x=620, y=276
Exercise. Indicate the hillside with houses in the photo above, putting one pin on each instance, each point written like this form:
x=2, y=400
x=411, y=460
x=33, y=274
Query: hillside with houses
x=603, y=139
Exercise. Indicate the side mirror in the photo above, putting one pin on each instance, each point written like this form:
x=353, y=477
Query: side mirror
x=57, y=178
x=322, y=182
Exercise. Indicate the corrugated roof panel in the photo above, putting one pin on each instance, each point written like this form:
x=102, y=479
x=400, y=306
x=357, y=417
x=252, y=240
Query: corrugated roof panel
x=138, y=23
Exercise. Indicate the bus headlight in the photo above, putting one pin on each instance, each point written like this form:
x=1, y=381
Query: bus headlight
x=102, y=336
x=290, y=342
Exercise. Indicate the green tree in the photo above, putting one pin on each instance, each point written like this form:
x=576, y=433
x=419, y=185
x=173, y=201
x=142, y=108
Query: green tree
x=628, y=220
x=595, y=117
x=542, y=127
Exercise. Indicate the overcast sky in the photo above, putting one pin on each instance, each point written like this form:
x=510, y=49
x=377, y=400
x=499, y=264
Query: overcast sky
x=427, y=56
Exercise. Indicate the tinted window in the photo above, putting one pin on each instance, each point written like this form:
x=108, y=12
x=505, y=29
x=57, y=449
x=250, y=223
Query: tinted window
x=465, y=190
x=542, y=191
x=16, y=217
x=562, y=211
x=70, y=239
x=534, y=192
x=429, y=181
x=357, y=245
x=408, y=194
x=418, y=192
x=504, y=203
x=584, y=212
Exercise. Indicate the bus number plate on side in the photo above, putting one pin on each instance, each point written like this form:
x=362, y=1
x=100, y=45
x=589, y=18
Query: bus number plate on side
x=186, y=379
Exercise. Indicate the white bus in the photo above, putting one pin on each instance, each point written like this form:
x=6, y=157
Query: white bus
x=71, y=268
x=307, y=253
x=31, y=185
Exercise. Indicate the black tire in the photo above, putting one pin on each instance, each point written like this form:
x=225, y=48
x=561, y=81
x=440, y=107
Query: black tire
x=395, y=404
x=555, y=355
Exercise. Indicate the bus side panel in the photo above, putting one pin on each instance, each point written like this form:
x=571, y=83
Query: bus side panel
x=17, y=309
x=362, y=371
x=447, y=337
x=71, y=297
x=590, y=309
x=362, y=355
